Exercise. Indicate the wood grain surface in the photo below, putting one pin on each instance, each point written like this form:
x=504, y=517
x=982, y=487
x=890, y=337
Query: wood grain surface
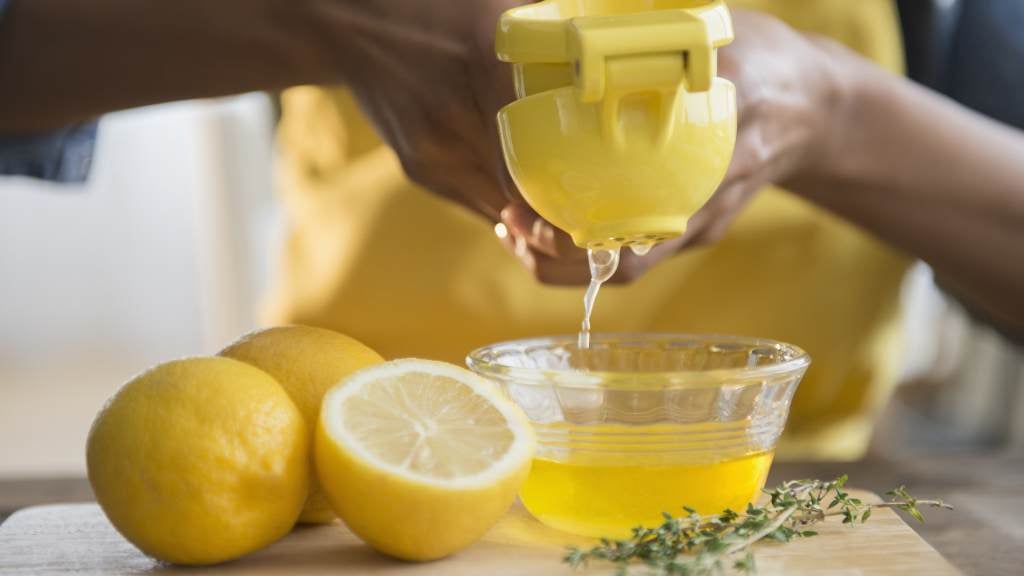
x=77, y=539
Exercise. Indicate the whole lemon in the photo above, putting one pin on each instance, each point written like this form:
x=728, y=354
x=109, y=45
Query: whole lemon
x=306, y=361
x=200, y=461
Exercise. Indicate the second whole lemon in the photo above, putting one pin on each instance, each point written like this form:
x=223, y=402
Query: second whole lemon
x=200, y=461
x=306, y=361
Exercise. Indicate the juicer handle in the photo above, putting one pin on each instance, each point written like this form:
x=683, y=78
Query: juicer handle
x=649, y=56
x=597, y=43
x=652, y=106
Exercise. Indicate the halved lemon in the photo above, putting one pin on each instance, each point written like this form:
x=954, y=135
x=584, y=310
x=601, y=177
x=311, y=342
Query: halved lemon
x=420, y=458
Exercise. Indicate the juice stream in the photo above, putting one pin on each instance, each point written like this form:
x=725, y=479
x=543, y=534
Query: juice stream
x=603, y=264
x=603, y=498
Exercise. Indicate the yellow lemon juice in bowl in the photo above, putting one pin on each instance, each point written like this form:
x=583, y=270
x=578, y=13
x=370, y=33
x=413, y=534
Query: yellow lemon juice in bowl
x=608, y=499
x=638, y=425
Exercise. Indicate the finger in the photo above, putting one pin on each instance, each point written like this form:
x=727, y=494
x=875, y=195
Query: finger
x=516, y=246
x=464, y=184
x=560, y=272
x=750, y=156
x=455, y=137
x=545, y=269
x=495, y=95
x=494, y=89
x=524, y=222
x=437, y=142
x=489, y=204
x=430, y=155
x=539, y=233
x=699, y=224
x=715, y=219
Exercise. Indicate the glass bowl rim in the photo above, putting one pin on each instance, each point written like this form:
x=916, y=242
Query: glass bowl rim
x=707, y=378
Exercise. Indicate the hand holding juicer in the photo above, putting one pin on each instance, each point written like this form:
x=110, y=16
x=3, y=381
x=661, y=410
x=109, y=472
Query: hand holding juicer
x=620, y=133
x=622, y=129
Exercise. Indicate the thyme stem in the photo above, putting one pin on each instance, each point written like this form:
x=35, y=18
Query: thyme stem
x=696, y=545
x=759, y=535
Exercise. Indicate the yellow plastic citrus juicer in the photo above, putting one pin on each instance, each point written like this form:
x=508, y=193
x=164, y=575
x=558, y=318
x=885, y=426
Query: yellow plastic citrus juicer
x=622, y=129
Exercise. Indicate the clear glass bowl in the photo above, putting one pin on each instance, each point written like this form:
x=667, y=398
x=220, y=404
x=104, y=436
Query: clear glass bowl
x=641, y=424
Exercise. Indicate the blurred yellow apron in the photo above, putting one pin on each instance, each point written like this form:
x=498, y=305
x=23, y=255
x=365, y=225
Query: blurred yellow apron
x=376, y=257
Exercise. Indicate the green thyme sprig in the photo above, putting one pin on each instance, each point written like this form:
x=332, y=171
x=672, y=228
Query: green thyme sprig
x=696, y=545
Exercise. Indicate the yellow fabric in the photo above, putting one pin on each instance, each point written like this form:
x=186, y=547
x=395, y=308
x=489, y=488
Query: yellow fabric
x=410, y=274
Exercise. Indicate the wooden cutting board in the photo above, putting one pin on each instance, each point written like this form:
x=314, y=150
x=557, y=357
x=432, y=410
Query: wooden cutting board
x=77, y=539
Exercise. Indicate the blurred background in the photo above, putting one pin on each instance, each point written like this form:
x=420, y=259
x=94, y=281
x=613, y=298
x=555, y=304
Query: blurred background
x=168, y=249
x=164, y=253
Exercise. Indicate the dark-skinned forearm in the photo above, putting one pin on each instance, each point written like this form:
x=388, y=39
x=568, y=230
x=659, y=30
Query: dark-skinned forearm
x=63, y=61
x=934, y=179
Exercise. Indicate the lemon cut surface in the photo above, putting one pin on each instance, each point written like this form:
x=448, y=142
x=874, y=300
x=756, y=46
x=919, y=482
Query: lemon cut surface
x=420, y=458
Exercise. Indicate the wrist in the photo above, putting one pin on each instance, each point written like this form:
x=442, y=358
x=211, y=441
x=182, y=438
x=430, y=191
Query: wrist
x=312, y=42
x=841, y=77
x=346, y=37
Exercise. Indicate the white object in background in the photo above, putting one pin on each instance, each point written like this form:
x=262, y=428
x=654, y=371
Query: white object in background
x=968, y=381
x=240, y=224
x=932, y=334
x=162, y=254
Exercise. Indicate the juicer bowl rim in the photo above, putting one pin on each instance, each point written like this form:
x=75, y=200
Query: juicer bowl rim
x=516, y=13
x=606, y=379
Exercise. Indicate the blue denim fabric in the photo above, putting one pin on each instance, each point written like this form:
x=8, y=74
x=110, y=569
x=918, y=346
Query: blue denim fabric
x=986, y=64
x=63, y=155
